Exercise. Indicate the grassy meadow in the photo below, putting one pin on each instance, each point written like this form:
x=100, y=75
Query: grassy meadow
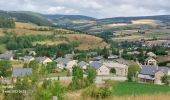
x=128, y=88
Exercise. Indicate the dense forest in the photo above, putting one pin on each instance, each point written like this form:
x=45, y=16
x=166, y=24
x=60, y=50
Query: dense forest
x=7, y=22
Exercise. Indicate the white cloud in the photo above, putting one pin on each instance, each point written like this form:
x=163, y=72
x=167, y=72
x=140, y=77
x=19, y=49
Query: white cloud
x=94, y=8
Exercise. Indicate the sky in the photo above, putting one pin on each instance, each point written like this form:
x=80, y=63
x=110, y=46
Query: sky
x=93, y=8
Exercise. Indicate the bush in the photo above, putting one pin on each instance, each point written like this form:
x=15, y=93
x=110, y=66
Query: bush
x=97, y=92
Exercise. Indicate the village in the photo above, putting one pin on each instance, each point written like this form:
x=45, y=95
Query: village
x=113, y=68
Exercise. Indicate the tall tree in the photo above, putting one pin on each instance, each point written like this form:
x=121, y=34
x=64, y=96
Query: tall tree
x=5, y=68
x=91, y=74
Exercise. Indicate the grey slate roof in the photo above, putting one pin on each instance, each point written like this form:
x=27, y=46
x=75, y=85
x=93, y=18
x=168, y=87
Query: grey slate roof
x=164, y=69
x=82, y=63
x=63, y=60
x=122, y=61
x=6, y=56
x=21, y=72
x=41, y=59
x=148, y=70
x=96, y=64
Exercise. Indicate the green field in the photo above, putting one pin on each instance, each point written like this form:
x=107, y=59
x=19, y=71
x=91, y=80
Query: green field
x=127, y=88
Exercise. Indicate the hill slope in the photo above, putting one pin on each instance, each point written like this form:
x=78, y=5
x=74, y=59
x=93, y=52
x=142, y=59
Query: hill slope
x=25, y=16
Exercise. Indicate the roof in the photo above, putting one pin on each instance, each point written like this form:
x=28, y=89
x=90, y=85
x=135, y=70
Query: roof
x=28, y=58
x=96, y=64
x=112, y=56
x=134, y=52
x=122, y=61
x=112, y=64
x=63, y=60
x=41, y=59
x=149, y=69
x=6, y=56
x=164, y=69
x=82, y=63
x=93, y=53
x=151, y=54
x=21, y=72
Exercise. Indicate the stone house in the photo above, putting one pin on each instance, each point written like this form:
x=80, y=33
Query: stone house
x=66, y=63
x=121, y=69
x=101, y=69
x=43, y=60
x=28, y=59
x=20, y=72
x=152, y=74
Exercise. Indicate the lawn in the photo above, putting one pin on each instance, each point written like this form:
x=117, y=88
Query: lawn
x=128, y=88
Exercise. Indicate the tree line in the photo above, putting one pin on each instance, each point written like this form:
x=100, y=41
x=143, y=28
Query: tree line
x=7, y=22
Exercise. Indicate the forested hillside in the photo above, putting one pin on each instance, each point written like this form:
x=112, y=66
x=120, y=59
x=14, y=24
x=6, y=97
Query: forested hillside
x=35, y=18
x=7, y=22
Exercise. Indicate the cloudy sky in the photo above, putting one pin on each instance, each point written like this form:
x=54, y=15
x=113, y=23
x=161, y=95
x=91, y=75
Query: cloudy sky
x=94, y=8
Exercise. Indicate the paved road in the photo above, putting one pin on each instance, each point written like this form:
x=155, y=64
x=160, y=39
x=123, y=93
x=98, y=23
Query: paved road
x=99, y=79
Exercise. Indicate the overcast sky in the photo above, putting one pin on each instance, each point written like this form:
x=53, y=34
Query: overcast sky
x=93, y=8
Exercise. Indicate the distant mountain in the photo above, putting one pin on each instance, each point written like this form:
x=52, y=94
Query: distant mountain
x=85, y=23
x=70, y=17
x=25, y=16
x=93, y=25
x=162, y=18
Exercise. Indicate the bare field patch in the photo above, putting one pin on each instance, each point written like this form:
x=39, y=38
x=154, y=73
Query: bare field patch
x=28, y=25
x=145, y=22
x=87, y=41
x=49, y=42
x=128, y=38
x=29, y=32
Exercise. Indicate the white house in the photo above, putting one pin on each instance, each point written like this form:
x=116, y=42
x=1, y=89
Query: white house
x=101, y=69
x=28, y=59
x=66, y=63
x=43, y=60
x=121, y=69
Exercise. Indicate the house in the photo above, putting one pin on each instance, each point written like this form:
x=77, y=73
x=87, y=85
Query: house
x=43, y=60
x=101, y=69
x=151, y=54
x=65, y=63
x=150, y=61
x=20, y=72
x=8, y=56
x=33, y=53
x=28, y=59
x=93, y=54
x=97, y=58
x=83, y=64
x=152, y=74
x=134, y=53
x=121, y=69
x=111, y=57
x=122, y=61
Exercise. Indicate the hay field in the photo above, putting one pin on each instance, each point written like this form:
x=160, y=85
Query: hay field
x=49, y=42
x=145, y=22
x=87, y=41
x=28, y=25
x=128, y=38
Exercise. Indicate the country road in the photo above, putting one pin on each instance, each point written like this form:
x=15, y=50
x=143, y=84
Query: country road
x=99, y=79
